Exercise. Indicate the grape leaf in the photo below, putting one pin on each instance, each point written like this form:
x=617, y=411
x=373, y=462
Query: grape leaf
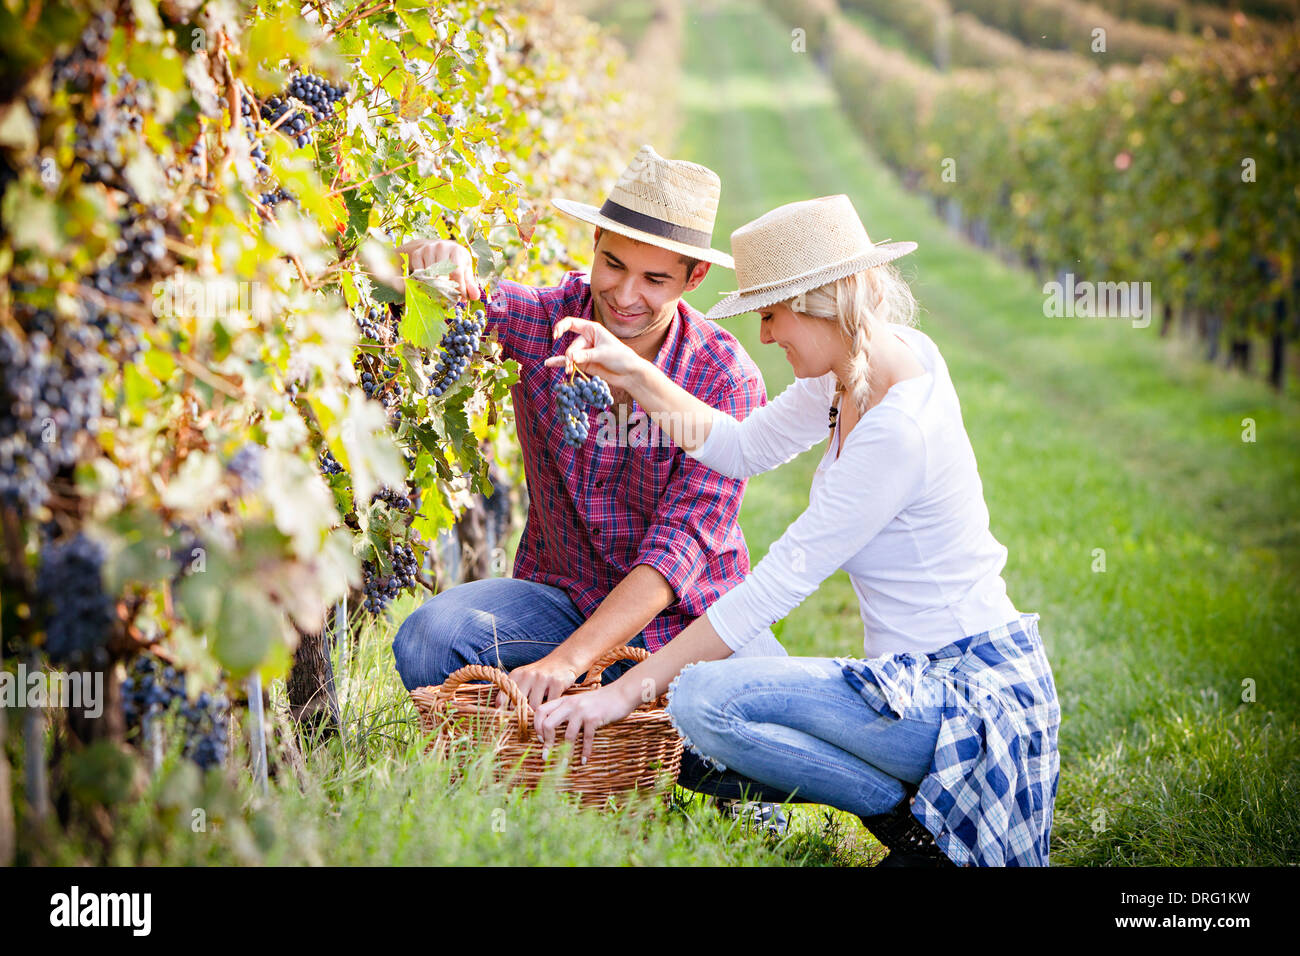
x=422, y=323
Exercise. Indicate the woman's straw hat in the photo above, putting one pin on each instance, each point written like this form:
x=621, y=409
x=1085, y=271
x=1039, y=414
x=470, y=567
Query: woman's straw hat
x=797, y=247
x=668, y=203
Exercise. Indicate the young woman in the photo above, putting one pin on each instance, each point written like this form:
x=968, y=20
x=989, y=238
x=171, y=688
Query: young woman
x=942, y=737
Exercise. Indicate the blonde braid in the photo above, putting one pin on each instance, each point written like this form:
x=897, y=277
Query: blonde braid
x=856, y=325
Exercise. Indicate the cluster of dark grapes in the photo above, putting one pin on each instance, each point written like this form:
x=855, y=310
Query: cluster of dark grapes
x=101, y=149
x=381, y=588
x=98, y=146
x=80, y=615
x=373, y=323
x=150, y=691
x=329, y=464
x=571, y=397
x=275, y=196
x=256, y=150
x=105, y=136
x=458, y=343
x=388, y=392
x=141, y=245
x=83, y=67
x=246, y=465
x=394, y=499
x=295, y=126
x=317, y=93
x=50, y=369
x=50, y=396
x=139, y=254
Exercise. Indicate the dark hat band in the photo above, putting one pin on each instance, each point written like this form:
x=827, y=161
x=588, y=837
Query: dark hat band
x=656, y=227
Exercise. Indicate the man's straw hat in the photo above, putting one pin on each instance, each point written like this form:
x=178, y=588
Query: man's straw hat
x=668, y=203
x=797, y=247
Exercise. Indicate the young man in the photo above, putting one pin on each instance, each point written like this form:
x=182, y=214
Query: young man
x=627, y=539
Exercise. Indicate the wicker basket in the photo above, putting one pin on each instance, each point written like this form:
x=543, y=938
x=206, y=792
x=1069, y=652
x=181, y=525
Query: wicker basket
x=639, y=752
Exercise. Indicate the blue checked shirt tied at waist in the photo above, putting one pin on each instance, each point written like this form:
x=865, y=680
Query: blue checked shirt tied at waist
x=989, y=793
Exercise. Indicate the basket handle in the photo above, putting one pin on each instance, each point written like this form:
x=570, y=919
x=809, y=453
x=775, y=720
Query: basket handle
x=481, y=672
x=624, y=653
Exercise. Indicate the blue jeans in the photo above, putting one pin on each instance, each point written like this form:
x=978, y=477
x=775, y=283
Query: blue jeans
x=796, y=725
x=501, y=622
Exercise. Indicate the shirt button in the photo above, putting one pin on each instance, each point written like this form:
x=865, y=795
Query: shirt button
x=600, y=484
x=595, y=531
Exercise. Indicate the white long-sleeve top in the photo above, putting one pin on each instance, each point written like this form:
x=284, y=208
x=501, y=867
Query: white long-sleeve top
x=901, y=510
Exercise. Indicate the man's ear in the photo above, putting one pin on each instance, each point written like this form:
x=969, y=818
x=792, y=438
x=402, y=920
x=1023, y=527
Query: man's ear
x=697, y=276
x=595, y=239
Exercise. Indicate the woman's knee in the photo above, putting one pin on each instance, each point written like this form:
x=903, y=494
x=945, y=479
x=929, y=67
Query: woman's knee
x=695, y=702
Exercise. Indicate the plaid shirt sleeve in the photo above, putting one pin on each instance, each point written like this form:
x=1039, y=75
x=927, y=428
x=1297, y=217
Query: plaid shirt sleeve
x=699, y=511
x=517, y=315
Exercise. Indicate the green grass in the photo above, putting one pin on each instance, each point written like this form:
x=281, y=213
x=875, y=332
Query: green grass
x=1090, y=434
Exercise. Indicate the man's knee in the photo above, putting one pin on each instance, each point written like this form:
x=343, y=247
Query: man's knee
x=437, y=638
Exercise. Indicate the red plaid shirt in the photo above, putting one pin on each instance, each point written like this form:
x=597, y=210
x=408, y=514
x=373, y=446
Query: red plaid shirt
x=596, y=512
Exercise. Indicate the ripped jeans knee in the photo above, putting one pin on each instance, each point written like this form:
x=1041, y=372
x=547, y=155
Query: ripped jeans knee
x=693, y=711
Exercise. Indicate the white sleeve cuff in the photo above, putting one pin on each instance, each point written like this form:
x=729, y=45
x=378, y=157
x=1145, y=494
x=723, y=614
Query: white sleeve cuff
x=729, y=637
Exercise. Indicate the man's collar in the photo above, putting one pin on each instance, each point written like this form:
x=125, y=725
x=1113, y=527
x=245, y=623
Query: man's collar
x=669, y=346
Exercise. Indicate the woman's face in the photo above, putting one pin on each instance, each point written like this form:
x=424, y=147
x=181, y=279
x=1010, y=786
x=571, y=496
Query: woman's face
x=813, y=346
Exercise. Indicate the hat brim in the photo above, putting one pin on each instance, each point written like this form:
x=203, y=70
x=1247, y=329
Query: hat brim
x=589, y=213
x=738, y=303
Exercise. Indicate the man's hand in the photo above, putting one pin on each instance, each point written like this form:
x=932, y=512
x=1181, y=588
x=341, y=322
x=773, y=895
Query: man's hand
x=583, y=713
x=543, y=680
x=426, y=252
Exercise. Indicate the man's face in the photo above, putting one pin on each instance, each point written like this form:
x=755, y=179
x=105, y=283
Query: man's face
x=635, y=286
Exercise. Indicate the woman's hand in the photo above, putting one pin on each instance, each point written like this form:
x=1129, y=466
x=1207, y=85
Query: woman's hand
x=597, y=351
x=583, y=713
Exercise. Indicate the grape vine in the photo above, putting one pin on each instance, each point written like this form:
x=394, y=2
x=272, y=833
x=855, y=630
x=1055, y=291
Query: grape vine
x=206, y=326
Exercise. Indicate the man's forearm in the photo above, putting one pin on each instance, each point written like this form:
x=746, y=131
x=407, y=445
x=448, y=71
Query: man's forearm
x=625, y=612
